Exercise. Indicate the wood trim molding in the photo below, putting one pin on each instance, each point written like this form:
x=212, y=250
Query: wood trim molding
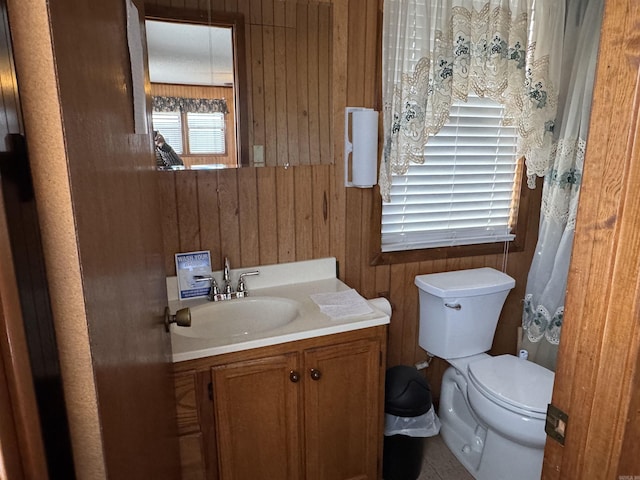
x=20, y=434
x=35, y=67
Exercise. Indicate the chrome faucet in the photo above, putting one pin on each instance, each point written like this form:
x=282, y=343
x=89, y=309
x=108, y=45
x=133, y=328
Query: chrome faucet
x=227, y=293
x=225, y=277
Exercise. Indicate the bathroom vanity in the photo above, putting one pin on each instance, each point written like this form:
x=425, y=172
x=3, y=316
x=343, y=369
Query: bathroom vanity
x=300, y=400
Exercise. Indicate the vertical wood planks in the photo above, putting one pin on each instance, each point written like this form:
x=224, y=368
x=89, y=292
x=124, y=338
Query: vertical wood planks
x=313, y=82
x=303, y=203
x=286, y=211
x=169, y=219
x=290, y=89
x=270, y=215
x=248, y=217
x=396, y=297
x=353, y=230
x=257, y=128
x=270, y=120
x=188, y=220
x=267, y=216
x=321, y=231
x=340, y=50
x=281, y=97
x=228, y=202
x=302, y=84
x=209, y=215
x=324, y=82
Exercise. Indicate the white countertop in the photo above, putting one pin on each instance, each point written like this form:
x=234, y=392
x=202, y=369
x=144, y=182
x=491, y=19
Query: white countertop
x=295, y=281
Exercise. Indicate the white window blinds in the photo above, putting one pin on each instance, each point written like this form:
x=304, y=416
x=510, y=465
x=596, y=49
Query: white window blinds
x=465, y=192
x=169, y=125
x=206, y=133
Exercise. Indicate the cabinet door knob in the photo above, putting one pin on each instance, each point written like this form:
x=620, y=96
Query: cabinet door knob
x=315, y=374
x=294, y=376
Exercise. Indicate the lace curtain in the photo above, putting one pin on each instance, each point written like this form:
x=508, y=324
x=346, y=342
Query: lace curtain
x=547, y=282
x=193, y=105
x=437, y=50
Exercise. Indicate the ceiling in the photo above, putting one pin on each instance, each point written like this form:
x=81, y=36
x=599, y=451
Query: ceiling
x=189, y=54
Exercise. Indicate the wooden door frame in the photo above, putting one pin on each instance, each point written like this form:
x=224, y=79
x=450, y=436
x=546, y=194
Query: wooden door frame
x=21, y=441
x=20, y=434
x=597, y=375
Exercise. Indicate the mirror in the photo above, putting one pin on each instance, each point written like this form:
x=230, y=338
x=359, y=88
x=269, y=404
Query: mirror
x=249, y=87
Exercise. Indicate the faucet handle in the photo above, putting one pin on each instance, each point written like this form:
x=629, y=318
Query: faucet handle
x=212, y=284
x=241, y=286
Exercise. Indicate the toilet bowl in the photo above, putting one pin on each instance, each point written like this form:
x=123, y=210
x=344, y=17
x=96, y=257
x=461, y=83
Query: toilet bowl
x=492, y=409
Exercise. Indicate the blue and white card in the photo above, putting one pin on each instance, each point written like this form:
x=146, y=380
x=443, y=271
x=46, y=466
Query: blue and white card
x=189, y=265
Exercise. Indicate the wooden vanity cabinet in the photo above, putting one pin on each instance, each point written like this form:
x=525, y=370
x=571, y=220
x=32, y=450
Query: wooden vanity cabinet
x=311, y=409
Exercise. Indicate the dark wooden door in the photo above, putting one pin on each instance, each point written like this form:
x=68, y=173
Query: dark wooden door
x=96, y=193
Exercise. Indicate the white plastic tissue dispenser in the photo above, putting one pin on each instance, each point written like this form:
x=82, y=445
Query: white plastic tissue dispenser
x=363, y=147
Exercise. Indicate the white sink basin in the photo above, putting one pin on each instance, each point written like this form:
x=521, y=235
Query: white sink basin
x=239, y=317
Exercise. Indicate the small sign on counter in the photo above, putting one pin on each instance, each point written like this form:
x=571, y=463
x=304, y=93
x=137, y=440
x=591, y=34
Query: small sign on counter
x=189, y=265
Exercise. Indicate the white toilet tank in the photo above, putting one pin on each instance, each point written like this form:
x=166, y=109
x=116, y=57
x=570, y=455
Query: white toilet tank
x=459, y=310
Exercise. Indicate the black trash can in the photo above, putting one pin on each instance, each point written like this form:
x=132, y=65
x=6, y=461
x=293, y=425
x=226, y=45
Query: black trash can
x=407, y=394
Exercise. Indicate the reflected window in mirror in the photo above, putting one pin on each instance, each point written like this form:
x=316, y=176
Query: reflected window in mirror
x=283, y=105
x=169, y=125
x=191, y=69
x=192, y=133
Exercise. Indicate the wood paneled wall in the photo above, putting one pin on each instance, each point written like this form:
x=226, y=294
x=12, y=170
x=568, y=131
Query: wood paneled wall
x=204, y=91
x=288, y=58
x=262, y=216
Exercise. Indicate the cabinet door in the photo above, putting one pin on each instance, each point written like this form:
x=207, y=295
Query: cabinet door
x=257, y=417
x=343, y=411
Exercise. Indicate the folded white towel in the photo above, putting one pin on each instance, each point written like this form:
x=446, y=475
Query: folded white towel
x=337, y=305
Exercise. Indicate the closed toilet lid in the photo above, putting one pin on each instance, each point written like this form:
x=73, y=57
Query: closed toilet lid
x=513, y=382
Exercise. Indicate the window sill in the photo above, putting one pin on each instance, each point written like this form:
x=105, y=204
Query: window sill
x=425, y=254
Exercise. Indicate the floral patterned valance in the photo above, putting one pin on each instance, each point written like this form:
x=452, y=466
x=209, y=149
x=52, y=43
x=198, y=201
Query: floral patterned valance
x=193, y=105
x=435, y=51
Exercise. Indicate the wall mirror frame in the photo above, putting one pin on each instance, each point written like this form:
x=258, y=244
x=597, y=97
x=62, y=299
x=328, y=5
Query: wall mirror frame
x=283, y=62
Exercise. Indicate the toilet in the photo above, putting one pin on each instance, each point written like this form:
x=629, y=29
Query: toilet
x=492, y=409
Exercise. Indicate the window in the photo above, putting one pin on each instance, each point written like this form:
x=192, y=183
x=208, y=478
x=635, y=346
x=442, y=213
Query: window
x=169, y=125
x=206, y=133
x=467, y=190
x=192, y=133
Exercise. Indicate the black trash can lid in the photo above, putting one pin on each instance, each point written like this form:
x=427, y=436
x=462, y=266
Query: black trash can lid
x=407, y=393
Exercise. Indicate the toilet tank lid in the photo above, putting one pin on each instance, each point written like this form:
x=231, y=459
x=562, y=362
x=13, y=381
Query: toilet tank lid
x=465, y=283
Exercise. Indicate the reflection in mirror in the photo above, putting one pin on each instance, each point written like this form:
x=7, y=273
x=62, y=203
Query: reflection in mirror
x=192, y=86
x=263, y=80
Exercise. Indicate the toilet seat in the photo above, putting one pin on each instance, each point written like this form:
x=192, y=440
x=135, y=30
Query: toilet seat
x=518, y=385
